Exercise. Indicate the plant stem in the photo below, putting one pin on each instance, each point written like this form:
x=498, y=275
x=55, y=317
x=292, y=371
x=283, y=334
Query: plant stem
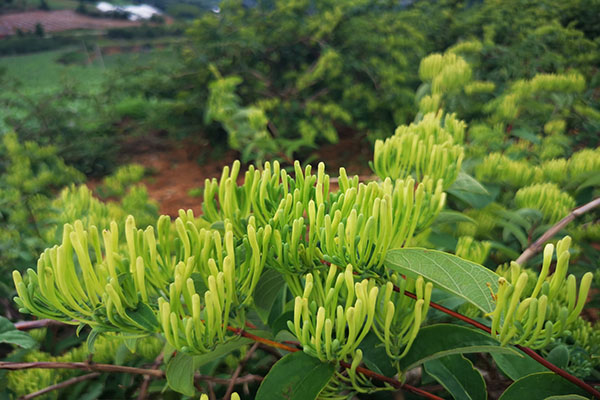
x=537, y=245
x=60, y=385
x=238, y=371
x=81, y=365
x=156, y=373
x=531, y=353
x=367, y=372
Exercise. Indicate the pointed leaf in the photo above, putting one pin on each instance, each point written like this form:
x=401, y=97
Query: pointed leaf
x=180, y=374
x=296, y=376
x=268, y=287
x=464, y=278
x=144, y=316
x=458, y=376
x=440, y=340
x=517, y=366
x=10, y=334
x=540, y=386
x=220, y=351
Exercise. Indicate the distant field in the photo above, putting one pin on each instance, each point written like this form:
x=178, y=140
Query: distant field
x=62, y=4
x=40, y=71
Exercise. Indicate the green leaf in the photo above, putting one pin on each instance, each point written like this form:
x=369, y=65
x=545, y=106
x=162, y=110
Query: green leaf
x=567, y=397
x=144, y=316
x=458, y=376
x=526, y=134
x=559, y=356
x=296, y=376
x=517, y=366
x=469, y=190
x=180, y=374
x=375, y=357
x=10, y=334
x=449, y=217
x=464, y=278
x=268, y=287
x=440, y=340
x=541, y=386
x=220, y=351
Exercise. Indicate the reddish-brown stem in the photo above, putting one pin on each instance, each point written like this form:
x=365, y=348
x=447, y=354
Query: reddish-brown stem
x=367, y=372
x=531, y=353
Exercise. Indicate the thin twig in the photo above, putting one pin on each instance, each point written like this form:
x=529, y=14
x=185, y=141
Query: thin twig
x=226, y=381
x=40, y=323
x=80, y=365
x=238, y=371
x=537, y=245
x=61, y=385
x=148, y=378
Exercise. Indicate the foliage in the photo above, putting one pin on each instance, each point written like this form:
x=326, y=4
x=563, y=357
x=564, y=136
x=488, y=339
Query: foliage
x=195, y=281
x=307, y=69
x=31, y=212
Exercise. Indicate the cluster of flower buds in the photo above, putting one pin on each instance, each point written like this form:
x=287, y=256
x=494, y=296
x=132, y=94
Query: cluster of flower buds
x=472, y=250
x=428, y=148
x=76, y=284
x=124, y=285
x=398, y=317
x=522, y=312
x=334, y=313
x=552, y=202
x=355, y=225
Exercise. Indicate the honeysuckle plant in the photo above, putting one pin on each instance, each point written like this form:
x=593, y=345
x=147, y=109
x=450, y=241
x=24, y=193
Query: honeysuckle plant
x=335, y=267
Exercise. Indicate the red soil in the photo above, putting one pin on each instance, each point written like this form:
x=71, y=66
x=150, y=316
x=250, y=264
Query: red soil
x=176, y=169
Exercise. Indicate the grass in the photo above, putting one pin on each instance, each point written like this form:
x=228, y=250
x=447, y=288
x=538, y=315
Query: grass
x=41, y=71
x=62, y=4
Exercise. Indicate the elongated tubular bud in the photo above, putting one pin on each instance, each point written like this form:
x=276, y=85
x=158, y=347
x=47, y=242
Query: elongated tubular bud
x=531, y=309
x=210, y=314
x=415, y=327
x=584, y=288
x=92, y=285
x=198, y=324
x=349, y=279
x=308, y=285
x=319, y=331
x=571, y=292
x=63, y=284
x=352, y=328
x=340, y=326
x=328, y=333
x=370, y=306
x=500, y=301
x=562, y=265
x=110, y=260
x=297, y=315
x=130, y=232
x=141, y=279
x=540, y=318
x=518, y=289
x=389, y=316
x=175, y=329
x=115, y=299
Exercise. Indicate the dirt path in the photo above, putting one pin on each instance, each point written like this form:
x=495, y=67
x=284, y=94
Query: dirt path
x=175, y=166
